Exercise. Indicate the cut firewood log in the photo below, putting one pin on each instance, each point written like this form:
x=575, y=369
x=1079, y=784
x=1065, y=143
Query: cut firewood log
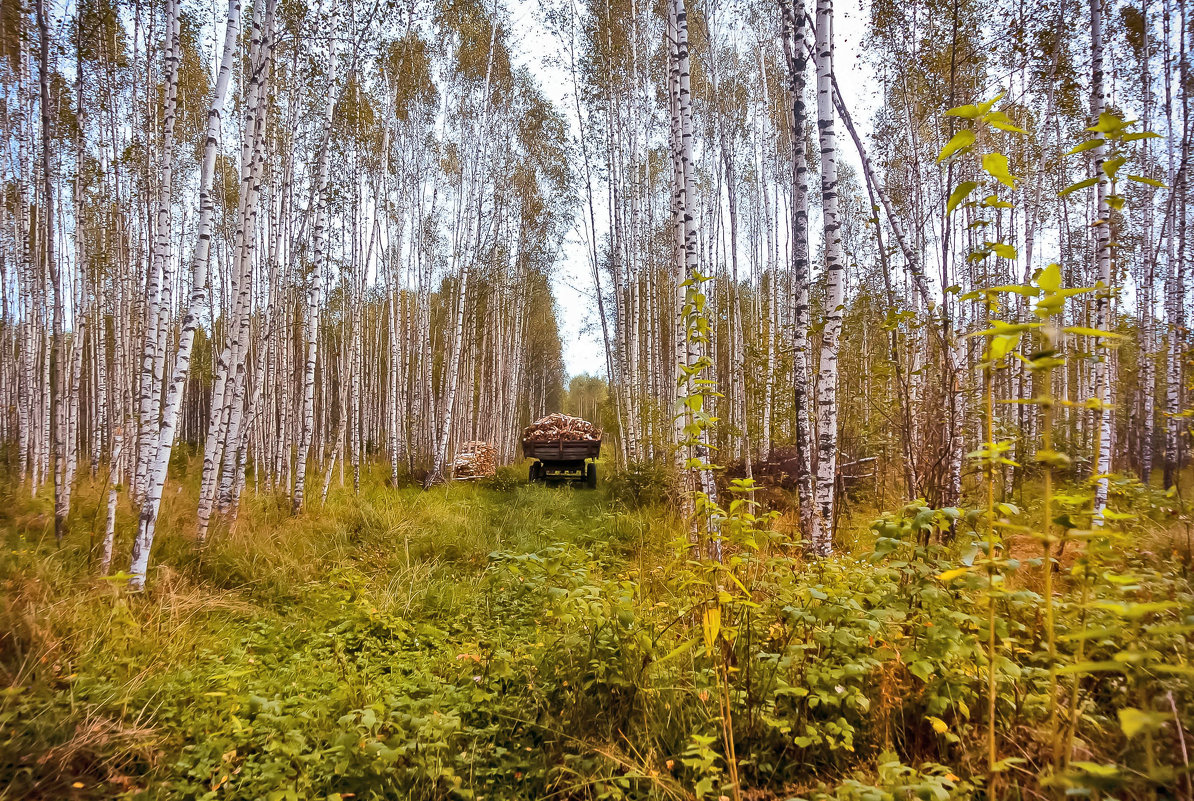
x=556, y=427
x=475, y=459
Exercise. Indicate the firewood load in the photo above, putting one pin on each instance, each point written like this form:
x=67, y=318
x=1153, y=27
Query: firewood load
x=556, y=427
x=475, y=459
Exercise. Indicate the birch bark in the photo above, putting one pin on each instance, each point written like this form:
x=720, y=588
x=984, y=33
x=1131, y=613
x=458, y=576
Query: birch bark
x=1102, y=236
x=151, y=505
x=794, y=21
x=314, y=287
x=827, y=412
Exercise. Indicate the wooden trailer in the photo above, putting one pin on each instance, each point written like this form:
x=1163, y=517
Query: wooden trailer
x=563, y=460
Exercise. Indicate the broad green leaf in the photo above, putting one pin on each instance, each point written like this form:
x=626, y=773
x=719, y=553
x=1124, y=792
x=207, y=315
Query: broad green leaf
x=1095, y=769
x=1108, y=124
x=1091, y=634
x=1140, y=179
x=1115, y=201
x=1000, y=327
x=1013, y=289
x=1091, y=667
x=996, y=165
x=1080, y=185
x=1049, y=278
x=958, y=195
x=711, y=626
x=1082, y=330
x=1053, y=458
x=1133, y=137
x=962, y=139
x=1111, y=166
x=997, y=119
x=1134, y=721
x=987, y=105
x=1175, y=670
x=969, y=112
x=950, y=575
x=921, y=669
x=1002, y=345
x=1089, y=144
x=1003, y=250
x=993, y=202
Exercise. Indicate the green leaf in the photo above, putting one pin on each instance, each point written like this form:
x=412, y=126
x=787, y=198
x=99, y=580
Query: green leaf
x=996, y=165
x=1134, y=721
x=993, y=202
x=1108, y=124
x=939, y=725
x=1003, y=250
x=1000, y=327
x=921, y=669
x=962, y=139
x=1054, y=459
x=1112, y=165
x=675, y=652
x=1082, y=330
x=1089, y=144
x=950, y=575
x=1140, y=179
x=1133, y=137
x=1080, y=185
x=1095, y=769
x=987, y=105
x=1092, y=667
x=1002, y=345
x=969, y=112
x=1050, y=278
x=1011, y=289
x=997, y=119
x=958, y=195
x=1175, y=670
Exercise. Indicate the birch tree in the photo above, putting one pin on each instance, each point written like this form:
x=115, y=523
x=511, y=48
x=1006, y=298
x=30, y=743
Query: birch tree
x=143, y=544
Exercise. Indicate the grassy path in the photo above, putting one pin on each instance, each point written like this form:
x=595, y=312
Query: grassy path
x=386, y=645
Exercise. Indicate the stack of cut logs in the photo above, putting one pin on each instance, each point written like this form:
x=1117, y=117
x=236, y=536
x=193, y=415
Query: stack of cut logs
x=475, y=459
x=556, y=427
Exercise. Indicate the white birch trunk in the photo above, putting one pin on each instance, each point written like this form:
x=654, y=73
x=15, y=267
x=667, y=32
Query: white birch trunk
x=314, y=287
x=195, y=305
x=1102, y=235
x=823, y=521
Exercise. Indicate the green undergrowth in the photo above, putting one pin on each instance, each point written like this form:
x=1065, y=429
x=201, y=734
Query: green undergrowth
x=509, y=641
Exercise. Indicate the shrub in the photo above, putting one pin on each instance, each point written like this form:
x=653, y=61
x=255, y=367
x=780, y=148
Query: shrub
x=644, y=485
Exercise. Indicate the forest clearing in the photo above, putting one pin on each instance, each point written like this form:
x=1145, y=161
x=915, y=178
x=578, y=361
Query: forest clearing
x=596, y=399
x=509, y=640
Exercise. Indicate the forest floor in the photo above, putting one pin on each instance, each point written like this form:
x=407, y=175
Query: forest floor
x=494, y=640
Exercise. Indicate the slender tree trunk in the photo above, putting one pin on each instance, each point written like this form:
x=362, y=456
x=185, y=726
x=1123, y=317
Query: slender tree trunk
x=1102, y=234
x=795, y=19
x=827, y=411
x=314, y=287
x=195, y=306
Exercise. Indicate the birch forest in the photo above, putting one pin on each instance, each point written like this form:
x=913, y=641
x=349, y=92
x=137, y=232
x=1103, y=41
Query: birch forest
x=596, y=399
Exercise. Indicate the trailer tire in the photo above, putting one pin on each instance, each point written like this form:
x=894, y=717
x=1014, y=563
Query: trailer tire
x=591, y=475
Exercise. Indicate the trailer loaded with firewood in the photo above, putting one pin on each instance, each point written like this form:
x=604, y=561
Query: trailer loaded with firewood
x=564, y=449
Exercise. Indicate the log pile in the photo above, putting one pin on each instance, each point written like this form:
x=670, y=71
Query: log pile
x=556, y=427
x=475, y=459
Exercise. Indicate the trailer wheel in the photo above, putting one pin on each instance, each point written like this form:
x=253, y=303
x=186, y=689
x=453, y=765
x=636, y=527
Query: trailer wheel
x=535, y=473
x=591, y=475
